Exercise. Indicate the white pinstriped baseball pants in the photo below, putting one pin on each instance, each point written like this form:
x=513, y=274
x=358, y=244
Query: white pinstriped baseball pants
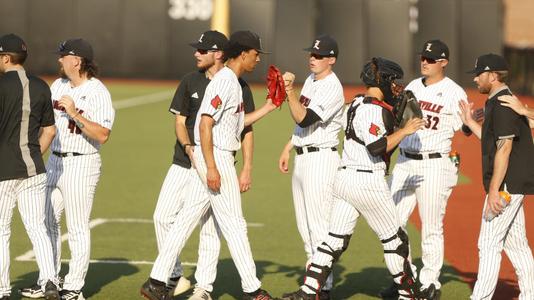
x=71, y=187
x=362, y=194
x=313, y=184
x=506, y=231
x=29, y=194
x=427, y=183
x=226, y=207
x=174, y=192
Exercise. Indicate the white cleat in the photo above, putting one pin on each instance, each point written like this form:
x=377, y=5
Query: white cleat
x=181, y=286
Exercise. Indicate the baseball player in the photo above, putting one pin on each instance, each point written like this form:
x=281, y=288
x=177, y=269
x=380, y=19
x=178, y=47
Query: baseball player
x=424, y=174
x=214, y=182
x=25, y=111
x=318, y=117
x=360, y=183
x=84, y=117
x=185, y=105
x=507, y=166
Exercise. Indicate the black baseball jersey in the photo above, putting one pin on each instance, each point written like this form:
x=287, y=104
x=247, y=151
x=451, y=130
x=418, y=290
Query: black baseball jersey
x=21, y=118
x=186, y=102
x=501, y=122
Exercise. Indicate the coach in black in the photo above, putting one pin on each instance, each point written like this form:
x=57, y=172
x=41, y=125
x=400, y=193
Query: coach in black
x=507, y=165
x=26, y=130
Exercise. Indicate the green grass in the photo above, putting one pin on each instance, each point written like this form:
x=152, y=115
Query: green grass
x=135, y=162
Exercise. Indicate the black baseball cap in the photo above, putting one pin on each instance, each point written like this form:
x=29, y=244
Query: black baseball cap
x=248, y=39
x=435, y=49
x=12, y=43
x=77, y=47
x=324, y=45
x=211, y=40
x=489, y=63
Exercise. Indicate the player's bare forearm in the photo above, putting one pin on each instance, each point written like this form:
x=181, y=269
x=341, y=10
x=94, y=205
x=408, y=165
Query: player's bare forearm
x=206, y=140
x=410, y=127
x=181, y=131
x=297, y=109
x=500, y=165
x=475, y=128
x=46, y=136
x=259, y=113
x=92, y=129
x=247, y=149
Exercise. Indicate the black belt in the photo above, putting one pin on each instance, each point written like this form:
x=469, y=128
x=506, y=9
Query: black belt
x=300, y=150
x=59, y=154
x=360, y=170
x=419, y=156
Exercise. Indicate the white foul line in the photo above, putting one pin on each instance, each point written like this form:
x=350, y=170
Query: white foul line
x=30, y=255
x=143, y=99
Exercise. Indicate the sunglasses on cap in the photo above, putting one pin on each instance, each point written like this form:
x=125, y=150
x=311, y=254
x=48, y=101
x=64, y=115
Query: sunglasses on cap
x=430, y=61
x=204, y=51
x=318, y=56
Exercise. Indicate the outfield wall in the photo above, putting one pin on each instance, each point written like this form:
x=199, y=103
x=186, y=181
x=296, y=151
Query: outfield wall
x=148, y=38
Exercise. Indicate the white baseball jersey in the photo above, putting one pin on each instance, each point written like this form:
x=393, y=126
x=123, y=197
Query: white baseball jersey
x=223, y=97
x=369, y=127
x=439, y=103
x=325, y=98
x=92, y=101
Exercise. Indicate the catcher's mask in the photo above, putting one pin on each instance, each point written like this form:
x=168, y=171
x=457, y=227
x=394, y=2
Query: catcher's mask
x=383, y=73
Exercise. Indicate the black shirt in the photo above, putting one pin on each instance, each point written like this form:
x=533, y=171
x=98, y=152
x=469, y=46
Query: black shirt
x=20, y=157
x=186, y=102
x=501, y=122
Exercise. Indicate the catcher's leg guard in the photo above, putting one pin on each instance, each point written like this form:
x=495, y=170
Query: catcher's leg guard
x=405, y=279
x=321, y=266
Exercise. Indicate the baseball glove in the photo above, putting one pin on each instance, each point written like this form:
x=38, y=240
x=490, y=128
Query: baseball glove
x=276, y=90
x=406, y=108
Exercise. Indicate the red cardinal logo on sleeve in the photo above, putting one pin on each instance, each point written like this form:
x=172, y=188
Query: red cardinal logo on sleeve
x=375, y=130
x=216, y=102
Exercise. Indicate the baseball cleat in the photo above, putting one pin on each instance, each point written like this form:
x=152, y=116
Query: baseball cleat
x=200, y=294
x=71, y=295
x=324, y=295
x=51, y=291
x=430, y=293
x=299, y=295
x=33, y=292
x=178, y=286
x=258, y=295
x=155, y=290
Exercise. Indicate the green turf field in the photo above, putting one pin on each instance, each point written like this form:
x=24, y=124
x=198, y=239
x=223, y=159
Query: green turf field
x=135, y=162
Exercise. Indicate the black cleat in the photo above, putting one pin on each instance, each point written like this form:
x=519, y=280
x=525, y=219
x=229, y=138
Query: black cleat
x=155, y=290
x=51, y=291
x=430, y=293
x=324, y=295
x=258, y=295
x=299, y=295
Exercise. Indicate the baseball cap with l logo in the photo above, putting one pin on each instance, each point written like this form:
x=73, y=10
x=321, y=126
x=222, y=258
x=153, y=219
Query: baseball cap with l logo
x=435, y=49
x=210, y=40
x=324, y=45
x=77, y=47
x=247, y=39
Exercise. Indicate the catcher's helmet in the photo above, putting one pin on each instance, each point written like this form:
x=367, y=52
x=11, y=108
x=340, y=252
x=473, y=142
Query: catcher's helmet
x=380, y=72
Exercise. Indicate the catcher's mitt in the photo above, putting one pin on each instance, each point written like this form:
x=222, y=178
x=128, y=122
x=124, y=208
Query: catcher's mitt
x=406, y=108
x=276, y=90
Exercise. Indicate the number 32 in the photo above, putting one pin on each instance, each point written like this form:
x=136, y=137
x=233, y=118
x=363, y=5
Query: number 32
x=432, y=122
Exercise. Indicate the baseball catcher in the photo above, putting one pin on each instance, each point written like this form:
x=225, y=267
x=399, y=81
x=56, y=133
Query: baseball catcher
x=275, y=86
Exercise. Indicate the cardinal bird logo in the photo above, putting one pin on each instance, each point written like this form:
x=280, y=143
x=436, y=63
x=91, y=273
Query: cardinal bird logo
x=375, y=130
x=216, y=102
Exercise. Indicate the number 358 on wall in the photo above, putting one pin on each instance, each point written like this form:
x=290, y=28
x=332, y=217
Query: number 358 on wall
x=190, y=9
